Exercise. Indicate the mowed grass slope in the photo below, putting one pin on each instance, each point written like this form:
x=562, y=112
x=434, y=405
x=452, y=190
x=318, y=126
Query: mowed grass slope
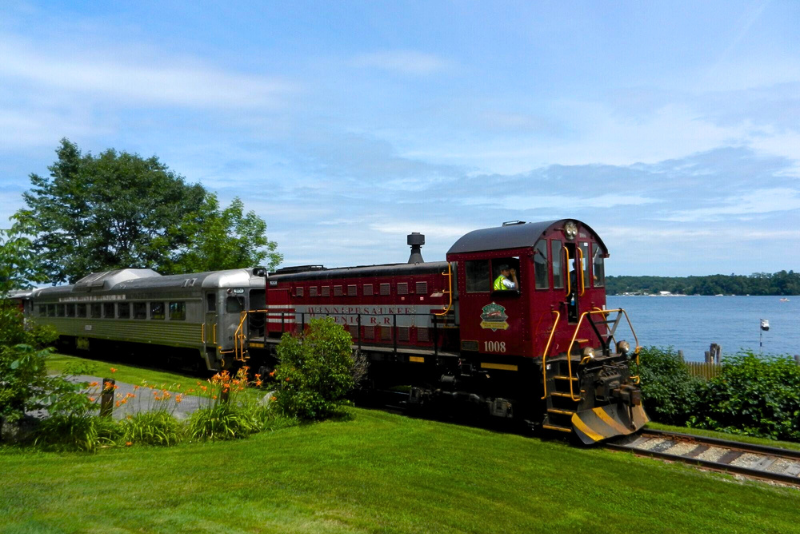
x=378, y=472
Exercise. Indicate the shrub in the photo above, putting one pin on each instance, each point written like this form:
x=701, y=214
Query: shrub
x=754, y=395
x=669, y=391
x=156, y=427
x=315, y=370
x=225, y=415
x=74, y=431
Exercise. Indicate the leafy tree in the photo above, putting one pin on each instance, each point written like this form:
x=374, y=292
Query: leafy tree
x=316, y=370
x=118, y=210
x=224, y=239
x=17, y=264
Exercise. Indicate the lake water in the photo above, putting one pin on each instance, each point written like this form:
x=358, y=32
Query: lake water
x=691, y=324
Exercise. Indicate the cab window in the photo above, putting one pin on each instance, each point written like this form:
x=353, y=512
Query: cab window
x=505, y=274
x=558, y=268
x=540, y=264
x=585, y=263
x=478, y=276
x=599, y=269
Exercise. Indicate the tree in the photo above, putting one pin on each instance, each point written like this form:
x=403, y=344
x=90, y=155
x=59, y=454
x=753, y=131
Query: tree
x=118, y=210
x=17, y=264
x=224, y=239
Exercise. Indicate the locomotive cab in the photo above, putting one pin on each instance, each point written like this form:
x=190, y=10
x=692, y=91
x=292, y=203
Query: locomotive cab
x=549, y=319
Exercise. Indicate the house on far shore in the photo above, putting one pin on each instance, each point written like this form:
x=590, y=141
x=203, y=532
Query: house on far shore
x=665, y=293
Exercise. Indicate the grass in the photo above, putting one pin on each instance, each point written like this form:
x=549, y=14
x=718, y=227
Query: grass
x=125, y=373
x=379, y=472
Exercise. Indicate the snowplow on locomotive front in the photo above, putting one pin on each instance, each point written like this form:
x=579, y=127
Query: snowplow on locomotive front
x=514, y=322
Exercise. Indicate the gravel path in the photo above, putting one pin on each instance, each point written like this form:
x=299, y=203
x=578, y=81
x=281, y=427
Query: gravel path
x=144, y=399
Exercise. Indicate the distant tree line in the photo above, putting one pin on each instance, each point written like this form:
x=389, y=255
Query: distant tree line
x=780, y=283
x=115, y=210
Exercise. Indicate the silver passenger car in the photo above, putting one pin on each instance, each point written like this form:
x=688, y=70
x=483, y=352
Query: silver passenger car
x=202, y=311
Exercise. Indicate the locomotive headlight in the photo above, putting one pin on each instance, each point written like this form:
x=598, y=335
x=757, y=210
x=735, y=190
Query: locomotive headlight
x=588, y=352
x=570, y=230
x=623, y=347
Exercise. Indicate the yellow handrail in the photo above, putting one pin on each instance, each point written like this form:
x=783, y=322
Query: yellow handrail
x=449, y=291
x=238, y=339
x=575, y=335
x=546, y=350
x=580, y=267
x=214, y=332
x=203, y=332
x=566, y=268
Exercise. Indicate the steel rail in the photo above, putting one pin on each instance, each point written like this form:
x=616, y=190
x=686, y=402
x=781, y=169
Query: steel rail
x=731, y=445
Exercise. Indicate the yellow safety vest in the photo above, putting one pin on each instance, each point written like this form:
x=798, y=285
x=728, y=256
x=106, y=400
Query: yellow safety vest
x=498, y=283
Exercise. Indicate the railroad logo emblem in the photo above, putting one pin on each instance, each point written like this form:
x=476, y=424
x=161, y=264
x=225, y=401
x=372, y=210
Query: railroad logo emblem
x=494, y=317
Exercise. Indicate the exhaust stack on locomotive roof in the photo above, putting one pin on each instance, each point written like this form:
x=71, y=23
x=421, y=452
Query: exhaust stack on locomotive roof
x=416, y=240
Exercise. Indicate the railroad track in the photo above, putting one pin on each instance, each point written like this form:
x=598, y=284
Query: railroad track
x=754, y=461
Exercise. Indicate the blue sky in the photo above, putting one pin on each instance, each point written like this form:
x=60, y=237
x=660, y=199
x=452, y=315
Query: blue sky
x=672, y=128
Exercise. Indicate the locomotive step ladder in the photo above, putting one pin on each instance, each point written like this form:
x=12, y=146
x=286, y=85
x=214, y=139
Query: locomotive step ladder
x=561, y=402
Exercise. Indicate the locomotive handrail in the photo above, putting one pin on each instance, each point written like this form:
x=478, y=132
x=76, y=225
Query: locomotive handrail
x=449, y=291
x=239, y=338
x=546, y=350
x=575, y=335
x=566, y=271
x=203, y=332
x=579, y=252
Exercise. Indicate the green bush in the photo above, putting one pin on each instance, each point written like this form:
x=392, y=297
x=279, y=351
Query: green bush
x=754, y=396
x=156, y=427
x=315, y=370
x=669, y=391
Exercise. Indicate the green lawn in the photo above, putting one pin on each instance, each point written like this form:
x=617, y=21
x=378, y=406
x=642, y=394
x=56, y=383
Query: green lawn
x=124, y=373
x=379, y=472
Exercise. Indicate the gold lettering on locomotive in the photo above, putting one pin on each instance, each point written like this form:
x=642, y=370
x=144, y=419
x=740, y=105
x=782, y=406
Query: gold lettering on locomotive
x=494, y=317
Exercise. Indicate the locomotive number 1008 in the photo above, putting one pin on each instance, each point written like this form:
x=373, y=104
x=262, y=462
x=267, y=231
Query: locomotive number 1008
x=494, y=346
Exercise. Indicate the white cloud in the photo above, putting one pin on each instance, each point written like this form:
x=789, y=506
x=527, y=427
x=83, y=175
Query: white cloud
x=758, y=201
x=528, y=202
x=112, y=75
x=403, y=62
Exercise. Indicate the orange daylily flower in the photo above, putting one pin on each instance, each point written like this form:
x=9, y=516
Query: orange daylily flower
x=128, y=443
x=93, y=384
x=113, y=370
x=92, y=399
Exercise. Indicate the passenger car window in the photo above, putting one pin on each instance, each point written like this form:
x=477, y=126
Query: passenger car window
x=124, y=311
x=211, y=302
x=478, y=276
x=108, y=310
x=599, y=269
x=177, y=311
x=234, y=304
x=140, y=310
x=157, y=310
x=540, y=264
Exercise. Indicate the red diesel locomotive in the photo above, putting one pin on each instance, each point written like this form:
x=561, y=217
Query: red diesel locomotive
x=514, y=322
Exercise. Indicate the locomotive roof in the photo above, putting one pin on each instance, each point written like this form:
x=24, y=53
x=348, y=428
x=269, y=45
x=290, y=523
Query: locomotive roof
x=393, y=269
x=511, y=236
